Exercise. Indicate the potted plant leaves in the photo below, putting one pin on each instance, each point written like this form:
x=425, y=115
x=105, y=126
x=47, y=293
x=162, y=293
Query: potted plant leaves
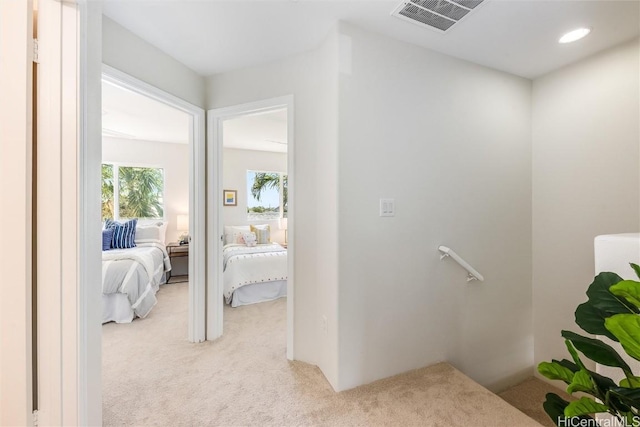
x=612, y=311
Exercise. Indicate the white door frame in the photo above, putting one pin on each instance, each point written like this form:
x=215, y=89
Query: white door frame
x=61, y=229
x=16, y=49
x=69, y=134
x=215, y=119
x=197, y=203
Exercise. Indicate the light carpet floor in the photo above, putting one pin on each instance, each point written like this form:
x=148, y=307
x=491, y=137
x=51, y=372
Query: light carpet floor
x=529, y=395
x=153, y=376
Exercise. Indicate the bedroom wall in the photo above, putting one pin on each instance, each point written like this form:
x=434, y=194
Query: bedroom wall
x=236, y=163
x=586, y=182
x=127, y=52
x=173, y=158
x=450, y=141
x=311, y=79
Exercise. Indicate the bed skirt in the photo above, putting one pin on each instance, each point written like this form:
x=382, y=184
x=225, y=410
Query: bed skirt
x=116, y=308
x=259, y=292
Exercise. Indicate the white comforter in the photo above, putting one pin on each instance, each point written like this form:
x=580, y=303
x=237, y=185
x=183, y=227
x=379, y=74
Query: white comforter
x=245, y=266
x=135, y=272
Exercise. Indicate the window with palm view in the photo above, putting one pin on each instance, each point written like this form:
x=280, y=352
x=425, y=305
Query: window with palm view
x=266, y=195
x=132, y=192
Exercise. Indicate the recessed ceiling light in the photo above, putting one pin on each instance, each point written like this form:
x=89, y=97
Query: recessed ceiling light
x=574, y=35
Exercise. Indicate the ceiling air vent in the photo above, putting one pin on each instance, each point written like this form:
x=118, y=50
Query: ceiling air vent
x=439, y=15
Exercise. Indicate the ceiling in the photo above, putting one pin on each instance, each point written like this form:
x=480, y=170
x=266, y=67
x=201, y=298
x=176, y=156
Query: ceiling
x=129, y=115
x=262, y=132
x=516, y=36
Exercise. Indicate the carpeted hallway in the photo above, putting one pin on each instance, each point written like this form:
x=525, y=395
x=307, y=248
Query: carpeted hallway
x=153, y=376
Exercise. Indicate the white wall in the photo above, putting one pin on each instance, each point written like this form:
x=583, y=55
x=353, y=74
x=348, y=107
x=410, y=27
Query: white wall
x=586, y=180
x=310, y=79
x=127, y=52
x=326, y=196
x=173, y=158
x=400, y=307
x=451, y=142
x=236, y=163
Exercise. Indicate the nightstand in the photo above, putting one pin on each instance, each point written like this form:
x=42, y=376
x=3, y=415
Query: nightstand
x=176, y=250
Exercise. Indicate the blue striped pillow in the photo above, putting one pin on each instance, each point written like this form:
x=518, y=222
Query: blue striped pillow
x=124, y=234
x=107, y=237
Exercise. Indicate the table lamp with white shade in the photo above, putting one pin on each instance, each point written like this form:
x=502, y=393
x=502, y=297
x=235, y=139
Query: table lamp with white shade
x=183, y=227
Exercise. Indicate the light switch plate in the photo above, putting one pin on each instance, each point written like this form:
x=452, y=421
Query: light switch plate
x=387, y=207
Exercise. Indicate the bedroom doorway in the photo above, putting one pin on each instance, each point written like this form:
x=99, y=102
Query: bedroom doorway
x=153, y=181
x=251, y=181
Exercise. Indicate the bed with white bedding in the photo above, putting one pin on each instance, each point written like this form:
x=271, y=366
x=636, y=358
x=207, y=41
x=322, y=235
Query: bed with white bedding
x=254, y=274
x=130, y=279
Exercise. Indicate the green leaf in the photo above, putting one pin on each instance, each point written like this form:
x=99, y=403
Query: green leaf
x=554, y=406
x=602, y=382
x=555, y=371
x=603, y=385
x=601, y=298
x=629, y=290
x=628, y=396
x=574, y=354
x=597, y=351
x=601, y=304
x=581, y=382
x=636, y=268
x=591, y=319
x=626, y=327
x=632, y=382
x=584, y=406
x=567, y=364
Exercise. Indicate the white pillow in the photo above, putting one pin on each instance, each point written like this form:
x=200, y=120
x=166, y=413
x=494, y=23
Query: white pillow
x=151, y=233
x=145, y=222
x=250, y=239
x=233, y=234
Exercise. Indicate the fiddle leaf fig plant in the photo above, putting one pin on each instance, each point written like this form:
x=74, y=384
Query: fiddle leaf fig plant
x=612, y=310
